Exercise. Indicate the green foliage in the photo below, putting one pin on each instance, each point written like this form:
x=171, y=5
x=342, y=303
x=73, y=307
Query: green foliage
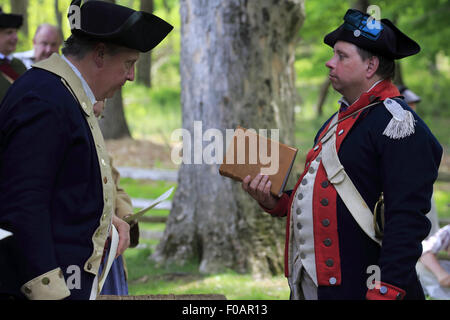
x=152, y=113
x=428, y=73
x=441, y=197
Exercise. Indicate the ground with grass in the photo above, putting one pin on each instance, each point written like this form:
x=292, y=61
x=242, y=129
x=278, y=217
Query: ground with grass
x=147, y=278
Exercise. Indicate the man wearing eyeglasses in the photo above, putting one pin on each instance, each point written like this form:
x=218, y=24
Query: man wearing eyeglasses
x=357, y=215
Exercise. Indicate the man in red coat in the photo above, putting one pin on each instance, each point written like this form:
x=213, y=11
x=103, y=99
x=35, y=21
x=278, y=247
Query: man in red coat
x=374, y=147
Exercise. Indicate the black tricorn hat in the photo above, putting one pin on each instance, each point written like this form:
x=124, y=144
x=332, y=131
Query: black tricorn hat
x=10, y=20
x=379, y=37
x=108, y=22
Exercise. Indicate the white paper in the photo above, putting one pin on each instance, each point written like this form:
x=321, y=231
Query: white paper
x=155, y=202
x=4, y=234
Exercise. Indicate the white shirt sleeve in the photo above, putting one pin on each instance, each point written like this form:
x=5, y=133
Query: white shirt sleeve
x=437, y=242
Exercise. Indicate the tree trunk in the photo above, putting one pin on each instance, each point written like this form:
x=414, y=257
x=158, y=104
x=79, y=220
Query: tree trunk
x=58, y=15
x=237, y=68
x=114, y=125
x=144, y=63
x=361, y=5
x=323, y=93
x=21, y=7
x=398, y=77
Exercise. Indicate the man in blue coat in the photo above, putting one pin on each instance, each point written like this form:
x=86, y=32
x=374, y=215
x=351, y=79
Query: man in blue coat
x=357, y=216
x=57, y=193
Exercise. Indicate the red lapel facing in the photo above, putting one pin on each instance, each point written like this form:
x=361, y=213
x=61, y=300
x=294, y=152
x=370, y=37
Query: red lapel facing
x=384, y=89
x=9, y=71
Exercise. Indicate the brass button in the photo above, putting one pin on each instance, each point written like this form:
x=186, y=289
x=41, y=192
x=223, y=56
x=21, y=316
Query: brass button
x=105, y=180
x=45, y=281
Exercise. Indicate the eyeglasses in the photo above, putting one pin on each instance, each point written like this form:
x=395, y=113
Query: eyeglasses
x=358, y=23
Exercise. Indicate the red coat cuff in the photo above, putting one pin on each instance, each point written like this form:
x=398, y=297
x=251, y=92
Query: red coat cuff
x=385, y=291
x=280, y=209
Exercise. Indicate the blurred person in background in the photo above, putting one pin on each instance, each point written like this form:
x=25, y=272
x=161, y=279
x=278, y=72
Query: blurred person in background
x=10, y=68
x=434, y=272
x=47, y=40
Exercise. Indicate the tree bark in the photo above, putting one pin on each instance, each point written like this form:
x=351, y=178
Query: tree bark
x=58, y=15
x=113, y=124
x=323, y=93
x=237, y=61
x=21, y=7
x=398, y=77
x=361, y=5
x=144, y=63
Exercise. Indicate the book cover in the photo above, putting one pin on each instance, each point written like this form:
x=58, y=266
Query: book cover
x=250, y=153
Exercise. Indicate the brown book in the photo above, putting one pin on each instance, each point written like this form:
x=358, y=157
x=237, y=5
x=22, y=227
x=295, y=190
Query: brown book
x=250, y=154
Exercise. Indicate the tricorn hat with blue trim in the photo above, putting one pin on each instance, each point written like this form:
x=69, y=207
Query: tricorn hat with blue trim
x=10, y=20
x=108, y=22
x=380, y=37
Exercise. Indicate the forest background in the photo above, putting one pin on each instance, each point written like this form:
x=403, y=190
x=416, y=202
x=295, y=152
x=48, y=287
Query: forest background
x=150, y=109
